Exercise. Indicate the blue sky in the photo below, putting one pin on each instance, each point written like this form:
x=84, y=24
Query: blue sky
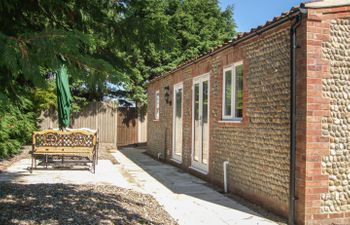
x=252, y=13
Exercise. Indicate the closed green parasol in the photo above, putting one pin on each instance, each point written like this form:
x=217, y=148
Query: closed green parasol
x=64, y=97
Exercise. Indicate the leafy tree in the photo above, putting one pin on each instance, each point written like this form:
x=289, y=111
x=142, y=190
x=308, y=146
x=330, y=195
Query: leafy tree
x=110, y=47
x=193, y=26
x=16, y=124
x=35, y=38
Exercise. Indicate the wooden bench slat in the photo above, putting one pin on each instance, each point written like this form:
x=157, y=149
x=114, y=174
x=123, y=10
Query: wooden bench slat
x=70, y=143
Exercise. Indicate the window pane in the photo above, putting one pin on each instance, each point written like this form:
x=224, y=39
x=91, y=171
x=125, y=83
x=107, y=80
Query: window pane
x=157, y=105
x=228, y=92
x=178, y=122
x=197, y=126
x=239, y=91
x=178, y=102
x=196, y=102
x=205, y=124
x=205, y=102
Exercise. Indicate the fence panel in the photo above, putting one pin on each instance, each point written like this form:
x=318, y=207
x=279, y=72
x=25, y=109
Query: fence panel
x=122, y=127
x=97, y=115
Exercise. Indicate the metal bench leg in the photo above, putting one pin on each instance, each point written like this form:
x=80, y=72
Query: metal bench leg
x=31, y=167
x=97, y=156
x=94, y=163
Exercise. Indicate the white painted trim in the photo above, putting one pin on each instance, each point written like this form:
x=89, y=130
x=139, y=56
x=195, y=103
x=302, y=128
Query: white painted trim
x=234, y=90
x=205, y=172
x=228, y=68
x=231, y=67
x=327, y=3
x=176, y=160
x=156, y=105
x=175, y=157
x=231, y=121
x=201, y=167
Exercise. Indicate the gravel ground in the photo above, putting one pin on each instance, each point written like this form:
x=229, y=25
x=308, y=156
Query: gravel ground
x=77, y=204
x=24, y=154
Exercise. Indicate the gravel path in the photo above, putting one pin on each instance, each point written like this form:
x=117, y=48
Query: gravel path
x=77, y=204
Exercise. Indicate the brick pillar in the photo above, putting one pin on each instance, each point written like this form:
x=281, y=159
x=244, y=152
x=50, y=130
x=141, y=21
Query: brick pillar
x=323, y=160
x=301, y=122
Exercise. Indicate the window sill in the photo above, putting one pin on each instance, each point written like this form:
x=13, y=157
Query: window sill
x=230, y=121
x=204, y=172
x=178, y=161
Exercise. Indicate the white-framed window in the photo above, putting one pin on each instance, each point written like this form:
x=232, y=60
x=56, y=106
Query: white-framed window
x=156, y=109
x=232, y=96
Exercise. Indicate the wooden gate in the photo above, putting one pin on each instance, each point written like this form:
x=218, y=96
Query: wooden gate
x=127, y=126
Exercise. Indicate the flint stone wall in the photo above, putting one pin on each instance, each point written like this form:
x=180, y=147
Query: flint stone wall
x=259, y=152
x=258, y=148
x=337, y=125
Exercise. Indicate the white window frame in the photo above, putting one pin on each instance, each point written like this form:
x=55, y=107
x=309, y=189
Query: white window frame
x=156, y=105
x=232, y=115
x=177, y=158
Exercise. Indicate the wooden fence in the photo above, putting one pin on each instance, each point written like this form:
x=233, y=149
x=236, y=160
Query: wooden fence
x=117, y=127
x=132, y=126
x=97, y=115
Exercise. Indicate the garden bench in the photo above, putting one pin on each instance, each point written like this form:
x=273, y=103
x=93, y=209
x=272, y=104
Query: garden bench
x=82, y=142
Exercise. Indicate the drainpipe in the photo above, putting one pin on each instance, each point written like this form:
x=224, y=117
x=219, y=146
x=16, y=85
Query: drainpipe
x=292, y=178
x=165, y=144
x=225, y=163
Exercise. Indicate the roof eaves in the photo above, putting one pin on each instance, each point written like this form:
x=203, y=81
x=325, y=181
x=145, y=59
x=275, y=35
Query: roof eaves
x=315, y=4
x=237, y=39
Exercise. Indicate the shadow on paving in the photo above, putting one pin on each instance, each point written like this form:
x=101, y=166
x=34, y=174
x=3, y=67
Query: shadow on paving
x=181, y=182
x=77, y=204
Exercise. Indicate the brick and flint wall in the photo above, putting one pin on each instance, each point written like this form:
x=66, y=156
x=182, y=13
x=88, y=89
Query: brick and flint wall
x=324, y=117
x=258, y=148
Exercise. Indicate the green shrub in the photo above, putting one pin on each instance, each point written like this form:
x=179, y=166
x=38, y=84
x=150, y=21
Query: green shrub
x=17, y=121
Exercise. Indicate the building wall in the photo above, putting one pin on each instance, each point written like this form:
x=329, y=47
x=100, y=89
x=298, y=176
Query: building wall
x=326, y=195
x=258, y=147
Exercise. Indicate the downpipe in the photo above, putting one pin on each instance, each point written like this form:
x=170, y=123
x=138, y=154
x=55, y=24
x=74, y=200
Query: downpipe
x=292, y=172
x=224, y=164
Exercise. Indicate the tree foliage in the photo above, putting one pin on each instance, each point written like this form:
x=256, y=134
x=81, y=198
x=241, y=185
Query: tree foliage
x=192, y=27
x=110, y=47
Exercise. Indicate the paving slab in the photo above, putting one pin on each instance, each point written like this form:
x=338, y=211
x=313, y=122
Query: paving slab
x=186, y=198
x=106, y=173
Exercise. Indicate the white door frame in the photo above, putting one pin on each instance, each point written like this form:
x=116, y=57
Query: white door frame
x=177, y=86
x=201, y=167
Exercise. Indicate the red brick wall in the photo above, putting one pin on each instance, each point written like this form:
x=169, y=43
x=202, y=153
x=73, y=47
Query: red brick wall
x=317, y=204
x=301, y=54
x=257, y=147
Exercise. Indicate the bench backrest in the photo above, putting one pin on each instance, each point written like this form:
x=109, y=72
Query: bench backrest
x=56, y=138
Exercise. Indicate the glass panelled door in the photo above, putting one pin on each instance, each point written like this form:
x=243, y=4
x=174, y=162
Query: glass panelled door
x=177, y=122
x=200, y=146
